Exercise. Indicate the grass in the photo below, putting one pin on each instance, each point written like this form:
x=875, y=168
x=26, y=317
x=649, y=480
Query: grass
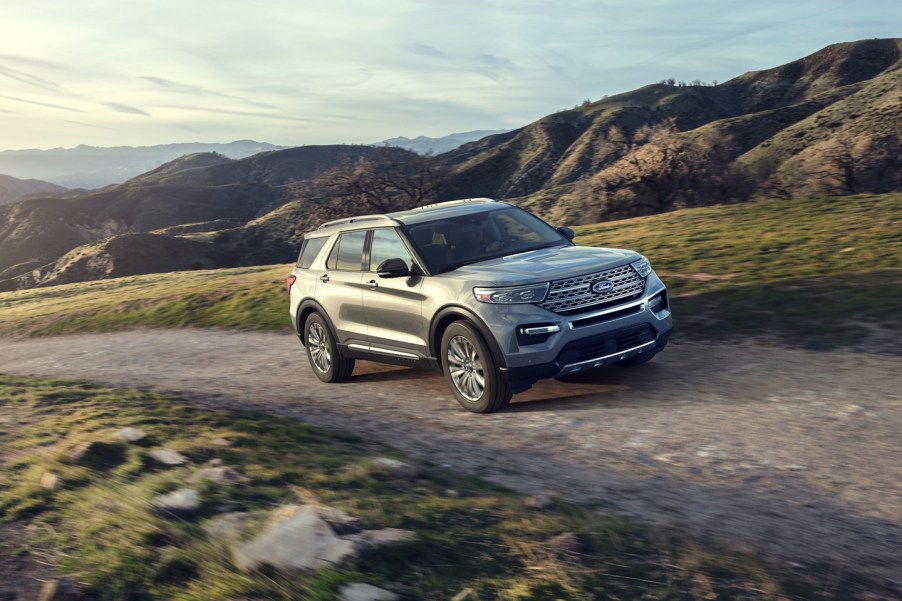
x=818, y=273
x=100, y=530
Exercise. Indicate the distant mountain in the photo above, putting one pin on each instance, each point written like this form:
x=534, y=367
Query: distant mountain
x=53, y=240
x=13, y=189
x=92, y=167
x=425, y=145
x=829, y=123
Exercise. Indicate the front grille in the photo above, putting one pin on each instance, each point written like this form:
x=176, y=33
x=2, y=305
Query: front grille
x=575, y=294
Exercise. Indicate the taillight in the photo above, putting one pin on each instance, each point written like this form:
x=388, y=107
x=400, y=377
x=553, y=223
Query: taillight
x=289, y=281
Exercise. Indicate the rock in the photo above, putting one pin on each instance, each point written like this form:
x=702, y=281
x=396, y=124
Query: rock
x=130, y=434
x=465, y=595
x=184, y=501
x=61, y=589
x=451, y=493
x=296, y=539
x=215, y=462
x=51, y=481
x=221, y=442
x=379, y=538
x=168, y=457
x=341, y=522
x=358, y=591
x=228, y=527
x=224, y=475
x=399, y=467
x=540, y=501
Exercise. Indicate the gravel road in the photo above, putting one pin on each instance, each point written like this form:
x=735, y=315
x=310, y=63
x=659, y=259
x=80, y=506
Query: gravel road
x=790, y=453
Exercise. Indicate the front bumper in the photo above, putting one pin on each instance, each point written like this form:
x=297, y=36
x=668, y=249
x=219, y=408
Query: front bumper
x=591, y=340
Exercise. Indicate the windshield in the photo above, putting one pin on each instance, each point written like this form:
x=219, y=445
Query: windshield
x=446, y=244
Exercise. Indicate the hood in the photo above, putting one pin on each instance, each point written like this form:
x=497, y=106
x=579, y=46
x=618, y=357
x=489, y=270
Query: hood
x=544, y=265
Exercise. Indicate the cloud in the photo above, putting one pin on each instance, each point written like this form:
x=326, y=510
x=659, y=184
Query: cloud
x=123, y=108
x=425, y=50
x=195, y=90
x=239, y=113
x=32, y=80
x=55, y=106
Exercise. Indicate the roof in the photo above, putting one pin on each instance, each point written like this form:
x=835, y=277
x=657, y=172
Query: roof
x=430, y=212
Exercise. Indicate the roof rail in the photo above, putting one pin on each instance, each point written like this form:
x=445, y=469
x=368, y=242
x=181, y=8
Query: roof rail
x=355, y=220
x=458, y=201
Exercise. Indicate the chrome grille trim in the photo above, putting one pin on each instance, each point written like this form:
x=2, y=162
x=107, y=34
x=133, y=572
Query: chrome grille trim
x=575, y=294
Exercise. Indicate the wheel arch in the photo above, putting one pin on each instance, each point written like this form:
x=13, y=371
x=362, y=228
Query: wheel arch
x=448, y=315
x=304, y=310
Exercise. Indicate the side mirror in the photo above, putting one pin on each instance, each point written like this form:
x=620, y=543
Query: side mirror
x=393, y=268
x=566, y=232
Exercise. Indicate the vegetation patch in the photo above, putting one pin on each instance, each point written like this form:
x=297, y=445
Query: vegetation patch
x=98, y=524
x=817, y=273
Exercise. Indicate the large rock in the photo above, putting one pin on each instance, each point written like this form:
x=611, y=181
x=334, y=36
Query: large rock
x=359, y=591
x=182, y=502
x=168, y=457
x=296, y=539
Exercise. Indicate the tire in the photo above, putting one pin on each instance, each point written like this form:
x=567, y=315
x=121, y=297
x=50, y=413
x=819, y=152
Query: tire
x=327, y=363
x=470, y=369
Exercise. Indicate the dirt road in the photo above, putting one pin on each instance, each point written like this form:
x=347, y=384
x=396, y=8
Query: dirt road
x=797, y=455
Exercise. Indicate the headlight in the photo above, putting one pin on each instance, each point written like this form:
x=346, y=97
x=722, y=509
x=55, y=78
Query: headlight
x=642, y=267
x=534, y=293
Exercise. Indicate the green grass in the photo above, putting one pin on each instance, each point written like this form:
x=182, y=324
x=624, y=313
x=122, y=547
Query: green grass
x=818, y=273
x=100, y=530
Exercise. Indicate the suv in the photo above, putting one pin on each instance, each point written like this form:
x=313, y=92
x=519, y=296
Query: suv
x=481, y=290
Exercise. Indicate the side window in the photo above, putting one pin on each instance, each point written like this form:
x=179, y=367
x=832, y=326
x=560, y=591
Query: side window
x=309, y=250
x=387, y=245
x=347, y=254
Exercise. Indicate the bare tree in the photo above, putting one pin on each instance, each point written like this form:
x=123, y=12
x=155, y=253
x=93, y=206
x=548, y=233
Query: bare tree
x=662, y=169
x=388, y=181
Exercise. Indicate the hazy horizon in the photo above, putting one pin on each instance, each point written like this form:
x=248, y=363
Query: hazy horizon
x=99, y=73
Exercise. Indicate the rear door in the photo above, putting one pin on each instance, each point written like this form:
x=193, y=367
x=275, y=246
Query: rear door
x=339, y=289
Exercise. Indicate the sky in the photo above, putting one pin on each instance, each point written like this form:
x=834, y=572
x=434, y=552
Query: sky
x=300, y=72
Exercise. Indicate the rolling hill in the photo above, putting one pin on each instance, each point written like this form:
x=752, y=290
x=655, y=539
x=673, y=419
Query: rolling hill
x=827, y=124
x=790, y=129
x=194, y=189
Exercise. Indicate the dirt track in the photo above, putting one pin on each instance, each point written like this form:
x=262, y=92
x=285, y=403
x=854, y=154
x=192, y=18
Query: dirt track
x=797, y=455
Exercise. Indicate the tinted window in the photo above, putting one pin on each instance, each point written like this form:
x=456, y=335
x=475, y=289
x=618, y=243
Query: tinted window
x=387, y=245
x=309, y=250
x=347, y=254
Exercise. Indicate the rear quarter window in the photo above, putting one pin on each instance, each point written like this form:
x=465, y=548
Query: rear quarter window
x=309, y=251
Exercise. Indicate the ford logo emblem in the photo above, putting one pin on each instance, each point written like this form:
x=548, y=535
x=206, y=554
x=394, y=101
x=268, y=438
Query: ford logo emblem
x=602, y=286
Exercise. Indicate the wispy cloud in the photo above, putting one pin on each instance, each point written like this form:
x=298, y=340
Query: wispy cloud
x=32, y=80
x=257, y=115
x=425, y=50
x=195, y=90
x=124, y=108
x=48, y=104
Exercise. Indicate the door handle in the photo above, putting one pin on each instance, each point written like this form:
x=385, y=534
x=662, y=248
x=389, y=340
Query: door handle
x=324, y=278
x=372, y=284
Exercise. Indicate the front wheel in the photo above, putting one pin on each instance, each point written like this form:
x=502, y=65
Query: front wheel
x=470, y=370
x=327, y=363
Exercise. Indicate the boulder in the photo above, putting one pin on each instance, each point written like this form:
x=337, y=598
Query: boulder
x=184, y=501
x=359, y=591
x=296, y=539
x=168, y=457
x=130, y=434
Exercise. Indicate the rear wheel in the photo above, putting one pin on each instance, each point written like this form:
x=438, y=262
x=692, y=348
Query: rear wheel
x=327, y=363
x=471, y=371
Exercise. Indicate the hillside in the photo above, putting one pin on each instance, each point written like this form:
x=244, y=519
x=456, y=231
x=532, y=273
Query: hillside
x=194, y=189
x=13, y=189
x=827, y=123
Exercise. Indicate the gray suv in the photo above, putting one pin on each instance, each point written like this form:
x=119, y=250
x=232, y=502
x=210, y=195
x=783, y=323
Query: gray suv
x=481, y=290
